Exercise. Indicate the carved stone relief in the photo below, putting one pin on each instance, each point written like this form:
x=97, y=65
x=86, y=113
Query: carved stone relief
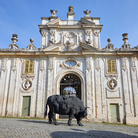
x=112, y=84
x=98, y=68
x=27, y=84
x=43, y=34
x=4, y=65
x=133, y=64
x=14, y=63
x=124, y=64
x=42, y=68
x=52, y=37
x=51, y=63
x=96, y=33
x=70, y=41
x=88, y=37
x=88, y=63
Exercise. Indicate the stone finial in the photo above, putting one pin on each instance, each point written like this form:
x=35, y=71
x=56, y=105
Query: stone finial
x=87, y=13
x=31, y=40
x=14, y=40
x=108, y=40
x=71, y=9
x=109, y=46
x=71, y=13
x=126, y=45
x=31, y=46
x=53, y=13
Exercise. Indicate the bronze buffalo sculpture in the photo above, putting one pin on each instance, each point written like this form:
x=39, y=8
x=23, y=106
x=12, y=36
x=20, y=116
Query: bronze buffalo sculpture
x=65, y=105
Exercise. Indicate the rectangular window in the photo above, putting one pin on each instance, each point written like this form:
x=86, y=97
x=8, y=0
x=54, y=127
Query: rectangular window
x=111, y=66
x=29, y=66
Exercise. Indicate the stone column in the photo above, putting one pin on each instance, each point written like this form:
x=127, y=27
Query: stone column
x=41, y=90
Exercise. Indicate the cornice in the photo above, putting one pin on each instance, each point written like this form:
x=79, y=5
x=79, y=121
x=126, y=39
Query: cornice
x=37, y=54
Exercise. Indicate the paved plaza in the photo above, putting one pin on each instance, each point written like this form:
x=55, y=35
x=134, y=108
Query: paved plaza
x=30, y=128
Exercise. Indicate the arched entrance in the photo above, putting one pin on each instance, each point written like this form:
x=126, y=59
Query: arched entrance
x=70, y=85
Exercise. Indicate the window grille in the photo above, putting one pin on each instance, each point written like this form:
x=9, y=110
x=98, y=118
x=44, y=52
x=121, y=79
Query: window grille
x=111, y=66
x=29, y=66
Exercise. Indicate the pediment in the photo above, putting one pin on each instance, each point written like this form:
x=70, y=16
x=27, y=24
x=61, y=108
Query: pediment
x=87, y=47
x=52, y=48
x=54, y=22
x=86, y=21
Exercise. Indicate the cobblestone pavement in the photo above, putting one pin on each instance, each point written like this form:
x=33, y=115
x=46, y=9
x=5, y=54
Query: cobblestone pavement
x=27, y=128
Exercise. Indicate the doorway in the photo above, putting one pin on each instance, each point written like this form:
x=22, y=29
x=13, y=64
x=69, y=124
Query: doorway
x=70, y=85
x=26, y=106
x=114, y=111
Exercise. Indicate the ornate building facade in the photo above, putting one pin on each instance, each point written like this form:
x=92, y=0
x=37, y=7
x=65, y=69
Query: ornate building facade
x=70, y=62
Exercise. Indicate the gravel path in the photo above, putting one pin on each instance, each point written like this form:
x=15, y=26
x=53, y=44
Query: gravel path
x=27, y=128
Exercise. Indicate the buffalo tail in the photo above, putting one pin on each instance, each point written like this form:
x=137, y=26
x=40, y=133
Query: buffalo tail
x=45, y=111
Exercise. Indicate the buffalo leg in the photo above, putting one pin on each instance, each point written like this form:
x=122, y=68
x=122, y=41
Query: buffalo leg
x=54, y=119
x=70, y=120
x=79, y=123
x=50, y=117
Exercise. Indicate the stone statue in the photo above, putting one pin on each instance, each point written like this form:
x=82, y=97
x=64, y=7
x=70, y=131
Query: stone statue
x=53, y=13
x=71, y=9
x=87, y=12
x=65, y=105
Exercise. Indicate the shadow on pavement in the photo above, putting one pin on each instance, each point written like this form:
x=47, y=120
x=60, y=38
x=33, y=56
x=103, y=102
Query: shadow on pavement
x=90, y=134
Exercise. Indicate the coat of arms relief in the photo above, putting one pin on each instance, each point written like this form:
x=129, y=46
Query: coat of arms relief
x=70, y=41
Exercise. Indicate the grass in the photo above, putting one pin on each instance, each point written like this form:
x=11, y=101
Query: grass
x=118, y=124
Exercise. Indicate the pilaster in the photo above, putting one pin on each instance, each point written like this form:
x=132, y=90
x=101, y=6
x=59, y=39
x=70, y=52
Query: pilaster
x=89, y=86
x=134, y=79
x=126, y=88
x=50, y=85
x=41, y=89
x=12, y=87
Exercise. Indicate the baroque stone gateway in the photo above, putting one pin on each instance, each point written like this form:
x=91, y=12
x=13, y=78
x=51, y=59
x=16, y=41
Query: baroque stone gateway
x=70, y=62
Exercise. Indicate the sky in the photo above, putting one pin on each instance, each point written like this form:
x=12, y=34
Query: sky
x=22, y=17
